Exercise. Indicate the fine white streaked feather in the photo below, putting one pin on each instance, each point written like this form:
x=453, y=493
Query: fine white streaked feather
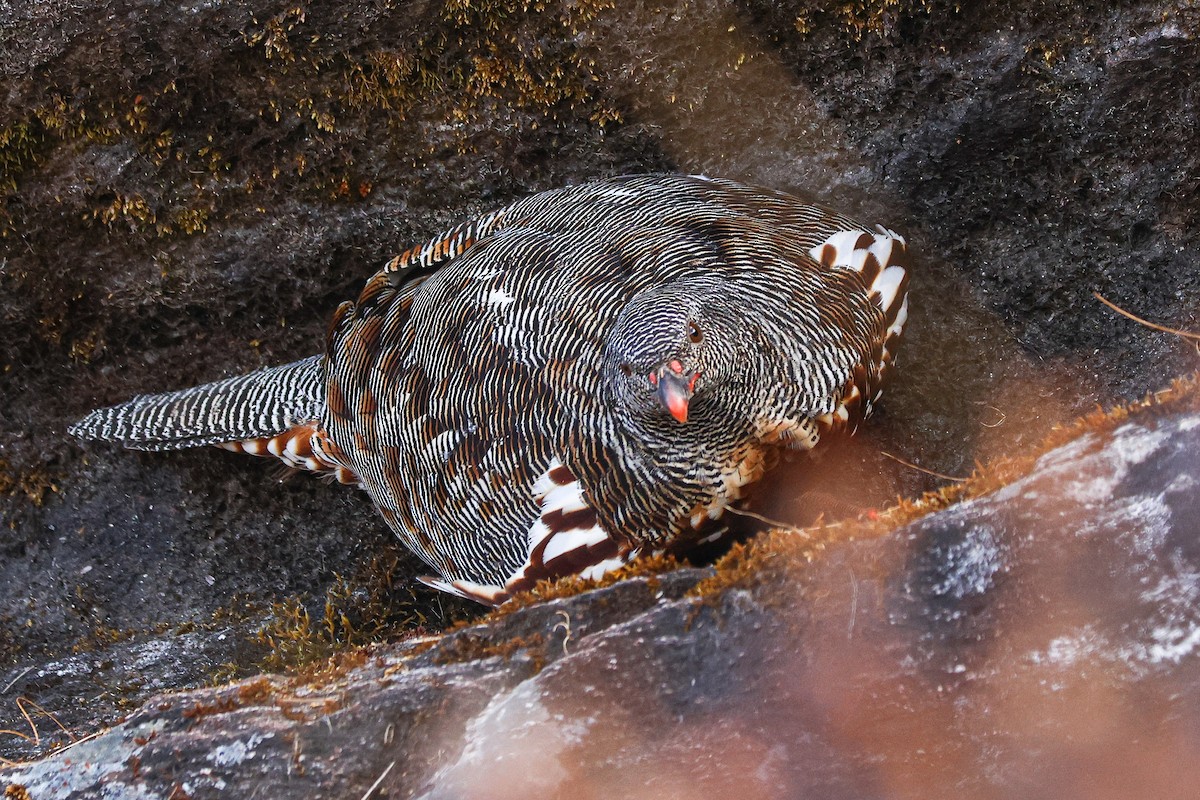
x=467, y=590
x=499, y=297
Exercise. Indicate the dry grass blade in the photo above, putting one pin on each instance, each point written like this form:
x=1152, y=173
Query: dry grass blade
x=24, y=704
x=741, y=512
x=378, y=781
x=911, y=465
x=1195, y=337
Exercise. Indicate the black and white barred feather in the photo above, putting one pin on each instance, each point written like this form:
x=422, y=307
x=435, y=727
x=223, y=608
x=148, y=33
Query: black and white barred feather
x=584, y=375
x=262, y=403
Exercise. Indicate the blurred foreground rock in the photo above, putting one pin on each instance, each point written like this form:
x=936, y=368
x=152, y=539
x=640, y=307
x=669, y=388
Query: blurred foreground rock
x=1043, y=639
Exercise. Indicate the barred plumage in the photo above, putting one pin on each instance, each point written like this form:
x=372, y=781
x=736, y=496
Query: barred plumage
x=245, y=407
x=584, y=375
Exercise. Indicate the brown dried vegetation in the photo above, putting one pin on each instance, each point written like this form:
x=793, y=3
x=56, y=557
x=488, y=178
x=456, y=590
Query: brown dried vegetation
x=780, y=551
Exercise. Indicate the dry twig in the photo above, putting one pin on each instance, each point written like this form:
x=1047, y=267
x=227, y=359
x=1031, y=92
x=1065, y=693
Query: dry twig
x=1195, y=337
x=911, y=465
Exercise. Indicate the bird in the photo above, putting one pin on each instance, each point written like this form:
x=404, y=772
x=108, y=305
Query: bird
x=586, y=375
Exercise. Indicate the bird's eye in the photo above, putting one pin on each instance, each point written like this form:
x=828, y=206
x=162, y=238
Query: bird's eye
x=695, y=335
x=626, y=370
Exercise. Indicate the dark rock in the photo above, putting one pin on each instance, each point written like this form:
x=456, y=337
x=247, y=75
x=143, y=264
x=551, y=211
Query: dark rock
x=190, y=191
x=1012, y=645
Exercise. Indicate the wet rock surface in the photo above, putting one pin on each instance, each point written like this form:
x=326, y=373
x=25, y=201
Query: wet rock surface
x=188, y=193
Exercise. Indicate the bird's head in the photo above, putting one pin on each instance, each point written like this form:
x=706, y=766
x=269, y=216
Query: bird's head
x=675, y=354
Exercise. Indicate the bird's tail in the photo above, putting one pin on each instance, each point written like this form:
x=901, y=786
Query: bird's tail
x=273, y=411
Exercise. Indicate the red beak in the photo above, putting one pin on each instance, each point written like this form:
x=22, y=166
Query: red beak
x=674, y=389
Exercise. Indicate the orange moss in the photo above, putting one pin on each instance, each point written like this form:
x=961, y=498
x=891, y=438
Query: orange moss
x=262, y=691
x=469, y=646
x=256, y=692
x=545, y=590
x=1182, y=395
x=201, y=709
x=754, y=562
x=306, y=709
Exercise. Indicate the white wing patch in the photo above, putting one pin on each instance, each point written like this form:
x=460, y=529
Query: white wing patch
x=564, y=539
x=878, y=256
x=553, y=495
x=598, y=571
x=846, y=250
x=888, y=285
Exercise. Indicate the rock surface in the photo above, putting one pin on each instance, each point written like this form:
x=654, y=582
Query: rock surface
x=1012, y=645
x=190, y=191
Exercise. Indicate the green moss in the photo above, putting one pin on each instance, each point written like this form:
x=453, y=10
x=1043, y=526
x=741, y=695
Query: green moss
x=34, y=483
x=15, y=791
x=356, y=612
x=864, y=17
x=518, y=53
x=19, y=146
x=100, y=636
x=26, y=144
x=275, y=32
x=319, y=102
